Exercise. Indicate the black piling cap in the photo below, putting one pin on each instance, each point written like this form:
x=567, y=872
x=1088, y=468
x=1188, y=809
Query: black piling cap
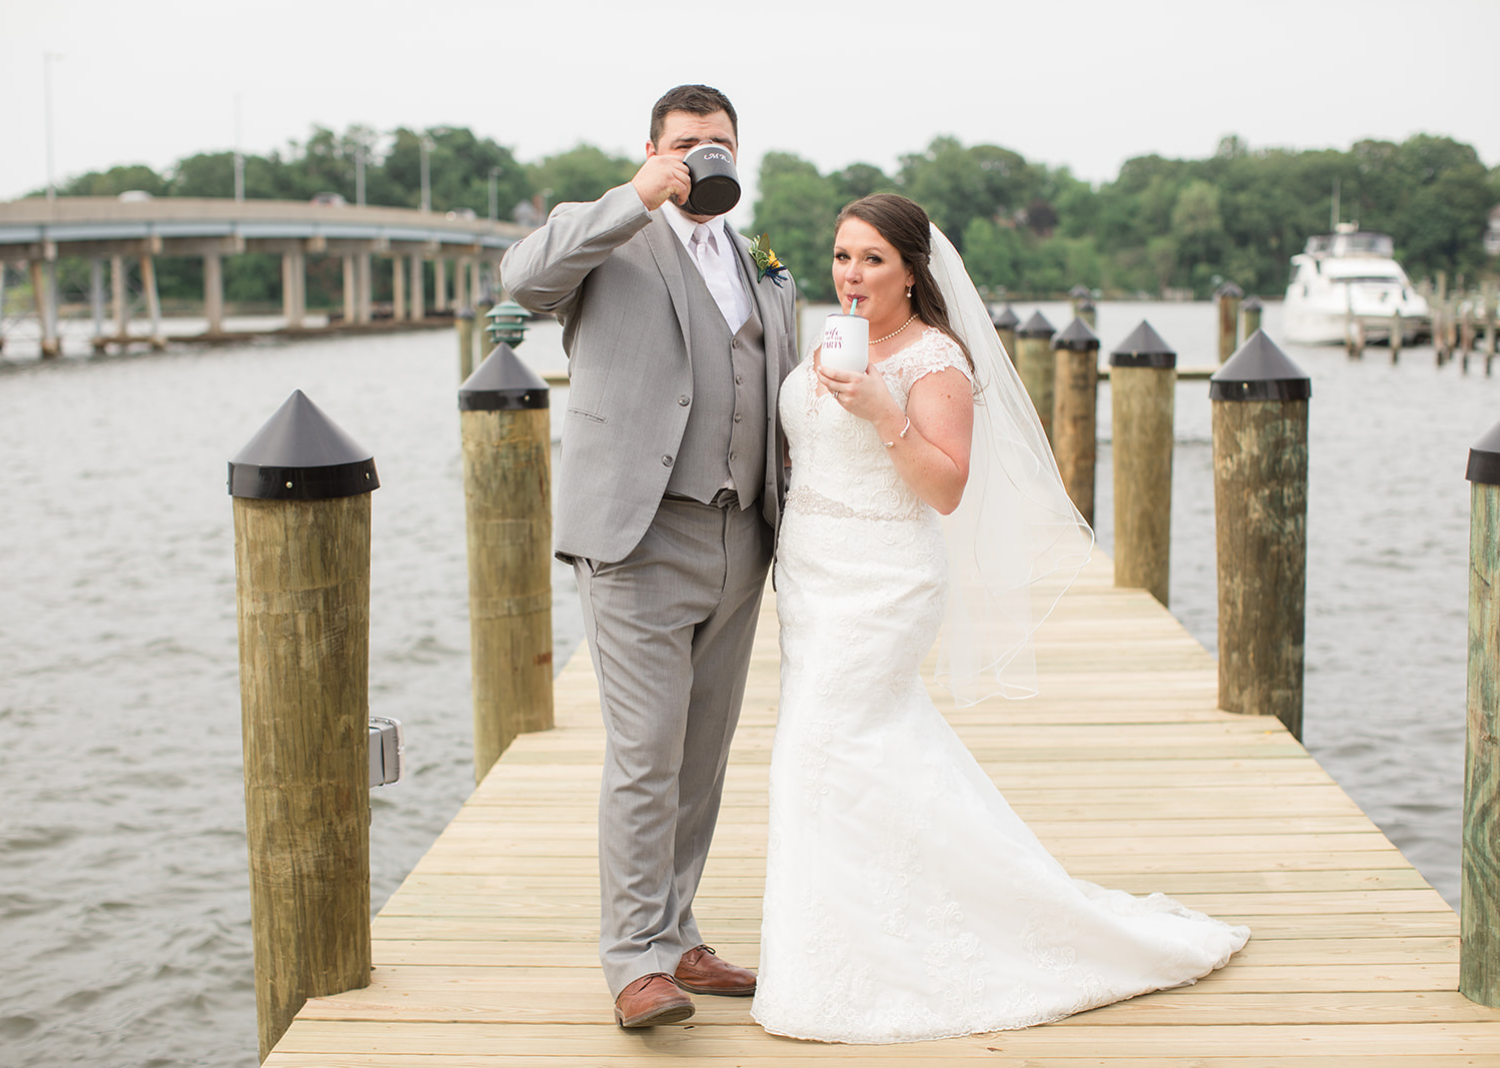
x=502, y=383
x=1143, y=348
x=1252, y=303
x=1484, y=459
x=301, y=455
x=1229, y=289
x=1076, y=338
x=1079, y=292
x=1005, y=319
x=1036, y=326
x=1259, y=370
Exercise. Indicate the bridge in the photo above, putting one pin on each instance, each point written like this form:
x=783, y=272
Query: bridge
x=35, y=233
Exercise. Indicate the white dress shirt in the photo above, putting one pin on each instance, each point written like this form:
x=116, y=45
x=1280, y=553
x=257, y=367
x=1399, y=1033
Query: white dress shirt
x=717, y=262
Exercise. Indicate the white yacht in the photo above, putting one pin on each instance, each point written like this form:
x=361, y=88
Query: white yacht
x=1347, y=282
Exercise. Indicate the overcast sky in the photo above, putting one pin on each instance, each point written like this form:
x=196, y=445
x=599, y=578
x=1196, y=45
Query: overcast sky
x=1086, y=83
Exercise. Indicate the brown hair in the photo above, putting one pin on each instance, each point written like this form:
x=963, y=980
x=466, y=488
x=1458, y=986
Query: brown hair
x=695, y=100
x=904, y=224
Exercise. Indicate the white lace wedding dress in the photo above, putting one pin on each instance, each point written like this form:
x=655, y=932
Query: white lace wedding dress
x=904, y=899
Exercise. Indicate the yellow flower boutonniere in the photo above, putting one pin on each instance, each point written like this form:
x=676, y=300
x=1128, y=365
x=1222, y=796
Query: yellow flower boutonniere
x=766, y=262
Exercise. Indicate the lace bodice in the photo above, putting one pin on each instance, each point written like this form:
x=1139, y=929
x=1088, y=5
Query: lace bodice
x=840, y=467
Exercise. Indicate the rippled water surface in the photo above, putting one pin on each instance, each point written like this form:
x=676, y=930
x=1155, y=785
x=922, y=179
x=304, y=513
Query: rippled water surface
x=124, y=908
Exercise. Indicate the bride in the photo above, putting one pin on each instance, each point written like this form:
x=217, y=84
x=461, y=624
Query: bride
x=904, y=899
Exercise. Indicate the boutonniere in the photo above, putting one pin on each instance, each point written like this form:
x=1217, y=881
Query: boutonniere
x=766, y=262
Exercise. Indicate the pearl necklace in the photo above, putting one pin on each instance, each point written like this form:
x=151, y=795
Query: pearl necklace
x=896, y=331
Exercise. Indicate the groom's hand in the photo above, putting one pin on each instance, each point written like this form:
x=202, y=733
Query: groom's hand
x=662, y=178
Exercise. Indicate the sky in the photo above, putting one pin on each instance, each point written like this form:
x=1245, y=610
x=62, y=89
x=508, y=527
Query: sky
x=1085, y=84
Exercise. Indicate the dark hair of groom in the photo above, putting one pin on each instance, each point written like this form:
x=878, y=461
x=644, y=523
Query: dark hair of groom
x=695, y=100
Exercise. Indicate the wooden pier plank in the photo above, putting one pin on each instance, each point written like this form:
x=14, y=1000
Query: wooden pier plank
x=1124, y=767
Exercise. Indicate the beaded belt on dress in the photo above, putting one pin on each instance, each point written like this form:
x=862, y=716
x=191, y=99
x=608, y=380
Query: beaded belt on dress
x=811, y=502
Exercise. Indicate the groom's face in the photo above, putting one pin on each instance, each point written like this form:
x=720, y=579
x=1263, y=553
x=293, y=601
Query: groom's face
x=681, y=131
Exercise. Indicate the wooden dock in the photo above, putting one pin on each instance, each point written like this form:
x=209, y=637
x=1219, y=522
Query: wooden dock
x=486, y=954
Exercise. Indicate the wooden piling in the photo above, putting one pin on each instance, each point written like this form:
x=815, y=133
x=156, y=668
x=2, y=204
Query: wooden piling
x=463, y=319
x=1005, y=322
x=1034, y=363
x=1439, y=304
x=1228, y=298
x=1491, y=310
x=1142, y=390
x=301, y=491
x=1479, y=952
x=1250, y=312
x=1075, y=412
x=1260, y=400
x=507, y=451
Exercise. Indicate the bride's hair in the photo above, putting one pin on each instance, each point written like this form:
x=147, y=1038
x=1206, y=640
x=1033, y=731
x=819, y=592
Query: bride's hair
x=904, y=224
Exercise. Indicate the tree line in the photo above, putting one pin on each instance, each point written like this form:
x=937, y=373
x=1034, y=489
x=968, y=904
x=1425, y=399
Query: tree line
x=1024, y=228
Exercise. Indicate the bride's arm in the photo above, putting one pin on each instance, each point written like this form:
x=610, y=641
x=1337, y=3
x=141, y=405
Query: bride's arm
x=933, y=456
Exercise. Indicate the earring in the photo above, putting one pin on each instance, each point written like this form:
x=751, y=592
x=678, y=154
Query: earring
x=908, y=292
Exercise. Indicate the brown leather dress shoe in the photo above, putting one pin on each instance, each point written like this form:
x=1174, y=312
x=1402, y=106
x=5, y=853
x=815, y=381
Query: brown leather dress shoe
x=702, y=972
x=652, y=999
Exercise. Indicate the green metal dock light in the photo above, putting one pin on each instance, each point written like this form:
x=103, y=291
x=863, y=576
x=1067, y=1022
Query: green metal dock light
x=507, y=324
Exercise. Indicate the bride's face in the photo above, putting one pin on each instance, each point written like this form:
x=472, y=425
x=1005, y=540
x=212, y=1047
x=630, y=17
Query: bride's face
x=867, y=266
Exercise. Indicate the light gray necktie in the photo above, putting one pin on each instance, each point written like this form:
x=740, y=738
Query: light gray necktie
x=706, y=252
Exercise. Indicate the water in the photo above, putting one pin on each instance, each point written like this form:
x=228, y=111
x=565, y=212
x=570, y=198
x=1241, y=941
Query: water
x=124, y=908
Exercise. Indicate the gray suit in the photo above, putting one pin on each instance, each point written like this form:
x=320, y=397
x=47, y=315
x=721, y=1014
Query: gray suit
x=665, y=406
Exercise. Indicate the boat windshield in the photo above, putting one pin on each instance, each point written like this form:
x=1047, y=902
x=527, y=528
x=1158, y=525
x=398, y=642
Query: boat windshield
x=1352, y=244
x=1363, y=245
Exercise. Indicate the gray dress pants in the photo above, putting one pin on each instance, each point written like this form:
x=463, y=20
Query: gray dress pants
x=670, y=628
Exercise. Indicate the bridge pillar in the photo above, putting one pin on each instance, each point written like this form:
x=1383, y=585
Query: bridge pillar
x=213, y=292
x=44, y=292
x=461, y=285
x=96, y=300
x=2, y=305
x=362, y=301
x=118, y=295
x=293, y=274
x=398, y=288
x=476, y=268
x=349, y=289
x=418, y=311
x=440, y=284
x=153, y=302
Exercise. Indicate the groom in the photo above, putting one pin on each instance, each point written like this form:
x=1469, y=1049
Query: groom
x=668, y=493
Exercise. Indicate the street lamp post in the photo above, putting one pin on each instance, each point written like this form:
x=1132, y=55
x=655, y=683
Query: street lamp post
x=239, y=156
x=426, y=146
x=47, y=58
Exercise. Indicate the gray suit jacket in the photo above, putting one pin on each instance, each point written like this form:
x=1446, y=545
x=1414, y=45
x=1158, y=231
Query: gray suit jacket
x=611, y=272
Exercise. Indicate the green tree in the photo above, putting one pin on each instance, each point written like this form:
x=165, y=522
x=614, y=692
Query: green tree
x=583, y=173
x=113, y=182
x=796, y=210
x=860, y=180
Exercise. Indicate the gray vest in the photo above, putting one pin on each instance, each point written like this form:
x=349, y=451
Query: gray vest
x=726, y=427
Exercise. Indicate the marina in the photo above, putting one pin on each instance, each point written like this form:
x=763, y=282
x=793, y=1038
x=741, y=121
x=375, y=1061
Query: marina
x=123, y=888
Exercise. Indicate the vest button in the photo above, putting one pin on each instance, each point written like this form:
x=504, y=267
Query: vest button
x=666, y=461
x=738, y=417
x=684, y=400
x=735, y=343
x=739, y=380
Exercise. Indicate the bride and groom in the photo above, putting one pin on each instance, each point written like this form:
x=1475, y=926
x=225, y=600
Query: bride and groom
x=904, y=899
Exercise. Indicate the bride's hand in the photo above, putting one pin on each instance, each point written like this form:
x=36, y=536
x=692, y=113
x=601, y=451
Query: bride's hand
x=862, y=395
